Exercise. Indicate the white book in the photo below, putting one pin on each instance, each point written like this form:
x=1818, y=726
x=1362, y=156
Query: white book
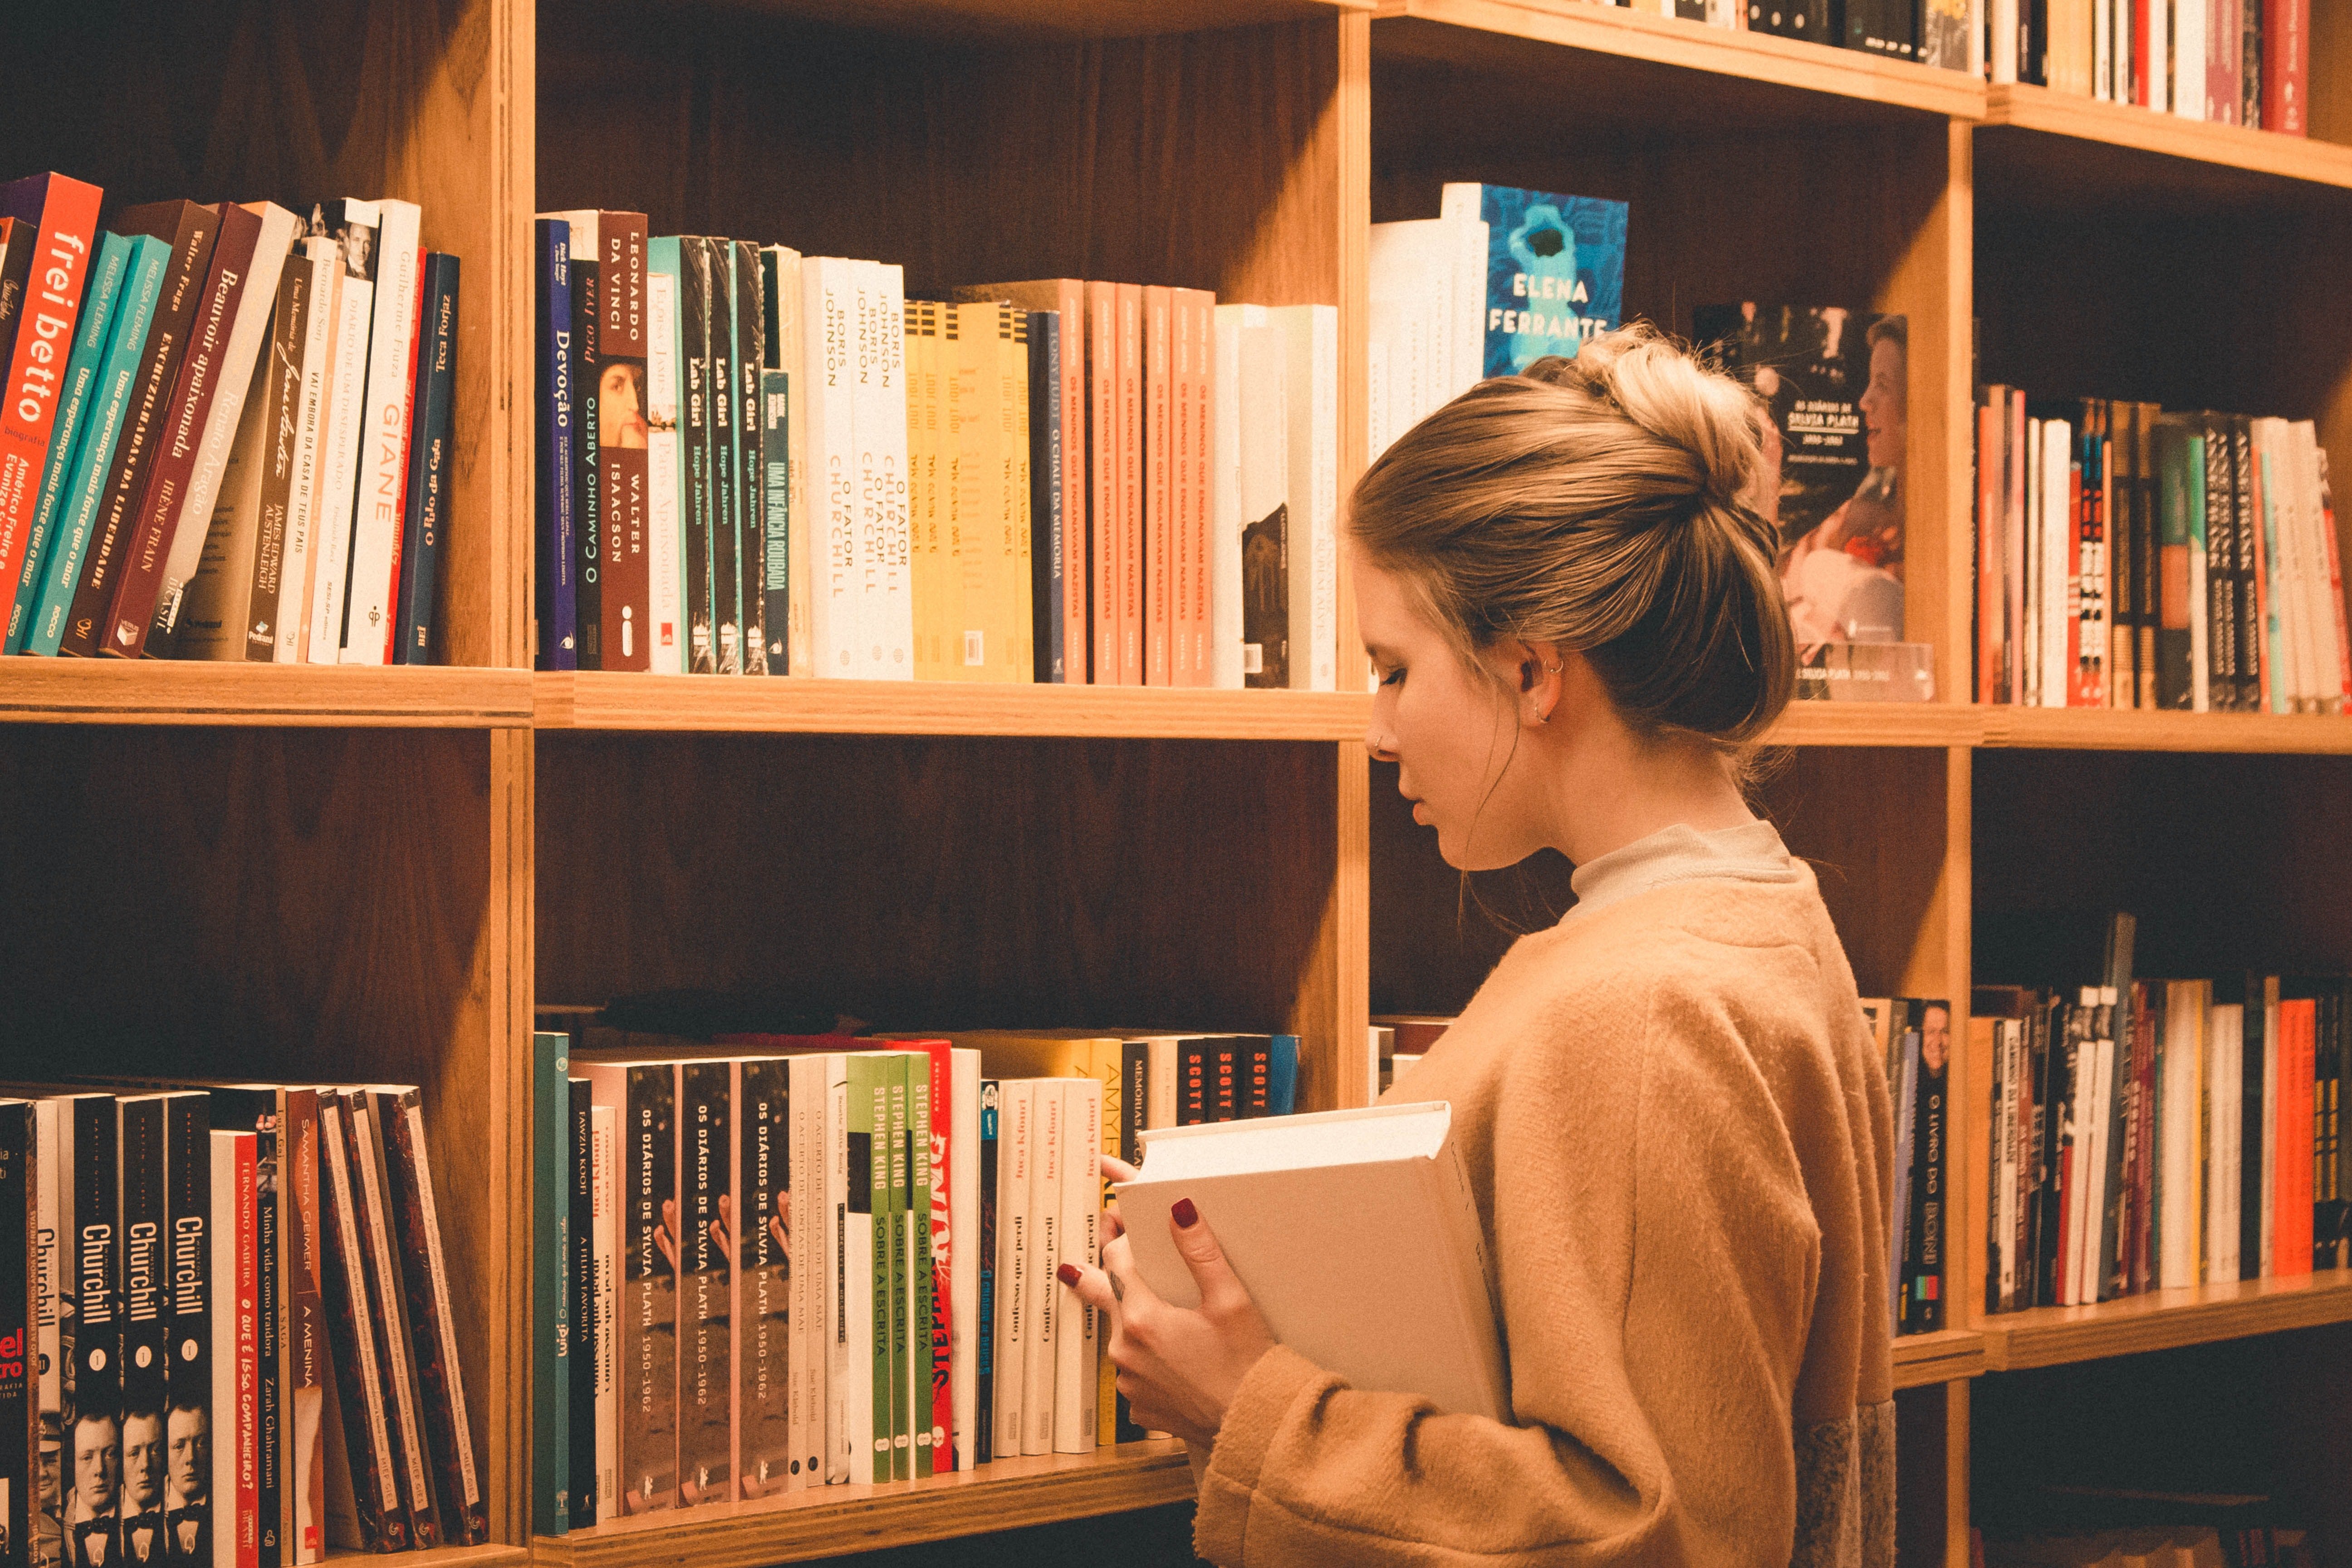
x=2297, y=467
x=1467, y=329
x=247, y=334
x=2176, y=1135
x=881, y=426
x=828, y=303
x=323, y=257
x=2159, y=56
x=1077, y=1349
x=2030, y=633
x=791, y=352
x=378, y=504
x=2270, y=1118
x=963, y=1256
x=2189, y=41
x=1225, y=497
x=1042, y=1293
x=2225, y=1075
x=2103, y=49
x=1266, y=485
x=1357, y=1235
x=2058, y=589
x=2292, y=600
x=605, y=1296
x=339, y=470
x=235, y=1347
x=664, y=542
x=1015, y=1114
x=2078, y=1206
x=804, y=1122
x=1410, y=271
x=2004, y=40
x=1311, y=379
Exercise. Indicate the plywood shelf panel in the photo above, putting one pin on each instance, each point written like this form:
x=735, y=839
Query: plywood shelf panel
x=1945, y=1356
x=150, y=692
x=2092, y=728
x=2025, y=107
x=2165, y=1319
x=1689, y=53
x=828, y=1521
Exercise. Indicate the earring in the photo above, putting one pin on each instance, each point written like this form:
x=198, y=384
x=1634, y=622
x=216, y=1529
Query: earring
x=1554, y=669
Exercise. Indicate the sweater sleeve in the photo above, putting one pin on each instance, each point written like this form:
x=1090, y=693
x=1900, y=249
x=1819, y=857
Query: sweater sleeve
x=1657, y=1258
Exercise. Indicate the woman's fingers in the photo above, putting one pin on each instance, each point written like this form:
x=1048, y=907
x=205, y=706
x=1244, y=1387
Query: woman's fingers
x=1118, y=1170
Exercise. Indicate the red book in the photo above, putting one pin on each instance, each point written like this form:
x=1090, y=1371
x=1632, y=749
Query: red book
x=408, y=429
x=2291, y=1182
x=2139, y=82
x=1992, y=603
x=1101, y=338
x=2286, y=55
x=237, y=1304
x=2014, y=524
x=56, y=218
x=124, y=629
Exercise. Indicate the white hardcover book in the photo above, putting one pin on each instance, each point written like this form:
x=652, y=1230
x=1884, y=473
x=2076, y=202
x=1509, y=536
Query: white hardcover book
x=828, y=303
x=2189, y=44
x=378, y=504
x=2176, y=1135
x=605, y=1296
x=339, y=468
x=2270, y=1118
x=1311, y=378
x=963, y=1255
x=790, y=350
x=1467, y=331
x=886, y=649
x=1409, y=270
x=1077, y=1371
x=1378, y=430
x=2159, y=56
x=324, y=257
x=247, y=336
x=1228, y=519
x=2103, y=50
x=1042, y=1293
x=2004, y=40
x=2078, y=1200
x=2294, y=465
x=665, y=542
x=2225, y=1071
x=2288, y=688
x=1017, y=1110
x=2057, y=590
x=1357, y=1235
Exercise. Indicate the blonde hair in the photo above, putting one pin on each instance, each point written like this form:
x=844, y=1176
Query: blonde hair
x=1599, y=503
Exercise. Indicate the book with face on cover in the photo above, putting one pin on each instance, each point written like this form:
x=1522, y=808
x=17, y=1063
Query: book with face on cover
x=1357, y=1235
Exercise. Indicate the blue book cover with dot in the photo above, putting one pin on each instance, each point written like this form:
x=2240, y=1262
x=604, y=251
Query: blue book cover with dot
x=1555, y=270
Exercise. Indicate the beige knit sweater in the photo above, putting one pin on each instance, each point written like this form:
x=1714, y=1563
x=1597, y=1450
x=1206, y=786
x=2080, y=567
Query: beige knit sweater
x=1678, y=1134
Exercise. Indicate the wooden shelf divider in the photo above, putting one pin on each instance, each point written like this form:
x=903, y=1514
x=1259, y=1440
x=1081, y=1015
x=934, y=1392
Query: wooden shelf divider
x=1945, y=1356
x=2030, y=107
x=2103, y=729
x=2164, y=1319
x=829, y=1521
x=150, y=692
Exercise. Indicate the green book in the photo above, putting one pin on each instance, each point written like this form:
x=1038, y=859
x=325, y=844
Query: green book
x=901, y=1450
x=550, y=1297
x=865, y=1247
x=919, y=1347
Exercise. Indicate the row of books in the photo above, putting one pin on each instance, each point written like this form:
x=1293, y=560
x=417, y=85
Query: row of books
x=683, y=1360
x=1943, y=33
x=226, y=432
x=2235, y=62
x=756, y=462
x=207, y=1277
x=2162, y=1134
x=2131, y=558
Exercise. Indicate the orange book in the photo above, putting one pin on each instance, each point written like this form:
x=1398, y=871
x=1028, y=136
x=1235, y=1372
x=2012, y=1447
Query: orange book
x=1159, y=489
x=1128, y=549
x=1196, y=312
x=2291, y=1178
x=1102, y=479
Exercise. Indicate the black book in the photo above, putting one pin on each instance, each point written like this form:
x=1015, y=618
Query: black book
x=20, y=1405
x=1923, y=1305
x=2033, y=42
x=91, y=1329
x=2148, y=545
x=1810, y=19
x=587, y=460
x=190, y=1428
x=706, y=1384
x=725, y=459
x=750, y=459
x=1887, y=29
x=1048, y=588
x=1194, y=1099
x=700, y=524
x=763, y=1285
x=430, y=466
x=2123, y=534
x=364, y=1507
x=582, y=1362
x=2221, y=565
x=2060, y=1057
x=984, y=1368
x=2245, y=534
x=1135, y=1078
x=1254, y=1093
x=146, y=1326
x=1225, y=1073
x=2255, y=998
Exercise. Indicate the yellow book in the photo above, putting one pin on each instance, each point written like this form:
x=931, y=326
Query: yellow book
x=932, y=574
x=1011, y=656
x=970, y=352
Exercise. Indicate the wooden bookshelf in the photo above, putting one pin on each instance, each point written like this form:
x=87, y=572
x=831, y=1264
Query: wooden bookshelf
x=2165, y=1319
x=830, y=1522
x=284, y=870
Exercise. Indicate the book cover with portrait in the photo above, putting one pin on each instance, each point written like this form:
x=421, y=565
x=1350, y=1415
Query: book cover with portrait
x=1832, y=381
x=1555, y=270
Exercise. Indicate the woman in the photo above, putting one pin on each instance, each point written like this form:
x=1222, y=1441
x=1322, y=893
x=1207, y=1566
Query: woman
x=1674, y=1123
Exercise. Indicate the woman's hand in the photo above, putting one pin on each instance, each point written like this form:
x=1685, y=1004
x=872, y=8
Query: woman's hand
x=1180, y=1367
x=1120, y=1171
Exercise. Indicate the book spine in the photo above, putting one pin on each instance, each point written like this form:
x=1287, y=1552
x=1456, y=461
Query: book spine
x=647, y=1360
x=2286, y=44
x=1015, y=659
x=430, y=468
x=558, y=608
x=665, y=479
x=350, y=228
x=920, y=1300
x=1159, y=444
x=775, y=416
x=552, y=1323
x=861, y=1422
x=377, y=1524
x=432, y=1319
x=828, y=301
x=957, y=1242
x=586, y=268
x=1128, y=456
x=234, y=1481
x=881, y=436
x=1195, y=1098
x=104, y=299
x=751, y=460
x=698, y=517
x=847, y=1243
x=1257, y=1077
x=61, y=241
x=799, y=1192
x=1099, y=338
x=1041, y=1291
x=302, y=1351
x=1076, y=1380
x=383, y=472
x=1050, y=585
x=1224, y=554
x=623, y=498
x=767, y=1168
x=1015, y=1147
x=146, y=1323
x=725, y=488
x=321, y=259
x=1224, y=1104
x=984, y=1338
x=1269, y=518
x=706, y=1379
x=146, y=417
x=789, y=351
x=388, y=1309
x=280, y=452
x=580, y=1301
x=605, y=1284
x=22, y=1252
x=200, y=1391
x=2245, y=538
x=899, y=1261
x=51, y=1179
x=944, y=1142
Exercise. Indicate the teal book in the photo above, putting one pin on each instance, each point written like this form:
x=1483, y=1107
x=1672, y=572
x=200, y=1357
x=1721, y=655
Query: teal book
x=1555, y=270
x=1281, y=1074
x=99, y=301
x=109, y=402
x=550, y=1297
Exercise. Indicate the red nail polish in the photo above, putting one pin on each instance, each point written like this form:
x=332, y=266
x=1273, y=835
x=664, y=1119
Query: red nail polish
x=1069, y=1275
x=1183, y=1212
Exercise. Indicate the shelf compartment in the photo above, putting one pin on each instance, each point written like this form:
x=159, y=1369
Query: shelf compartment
x=2021, y=106
x=829, y=1521
x=1750, y=69
x=153, y=691
x=2165, y=1319
x=1947, y=1355
x=2096, y=730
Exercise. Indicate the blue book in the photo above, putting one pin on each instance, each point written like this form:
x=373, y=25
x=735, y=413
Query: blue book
x=1047, y=605
x=109, y=402
x=1281, y=1076
x=82, y=367
x=1555, y=270
x=557, y=595
x=429, y=471
x=550, y=1122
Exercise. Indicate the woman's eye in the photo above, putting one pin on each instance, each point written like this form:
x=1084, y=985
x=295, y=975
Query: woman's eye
x=1394, y=677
